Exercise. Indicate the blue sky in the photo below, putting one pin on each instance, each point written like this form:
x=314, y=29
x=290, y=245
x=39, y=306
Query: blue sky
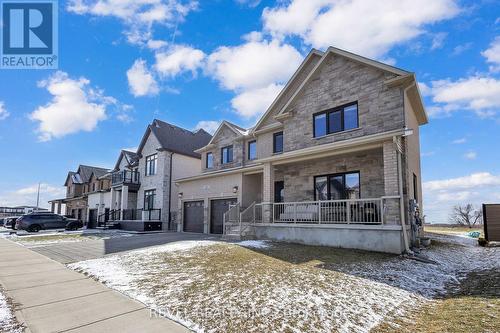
x=194, y=63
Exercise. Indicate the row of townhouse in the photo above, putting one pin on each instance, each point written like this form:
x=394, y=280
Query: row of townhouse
x=335, y=160
x=137, y=193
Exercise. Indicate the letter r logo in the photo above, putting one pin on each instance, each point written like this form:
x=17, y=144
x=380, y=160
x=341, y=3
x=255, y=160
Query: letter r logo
x=28, y=27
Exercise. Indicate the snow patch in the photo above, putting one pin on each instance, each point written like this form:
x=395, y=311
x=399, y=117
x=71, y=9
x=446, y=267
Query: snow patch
x=257, y=244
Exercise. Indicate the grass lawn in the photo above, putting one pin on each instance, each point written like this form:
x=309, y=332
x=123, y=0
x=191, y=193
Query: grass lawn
x=451, y=230
x=267, y=287
x=53, y=237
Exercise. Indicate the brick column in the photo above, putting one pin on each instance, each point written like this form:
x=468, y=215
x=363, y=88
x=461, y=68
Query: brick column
x=392, y=213
x=267, y=192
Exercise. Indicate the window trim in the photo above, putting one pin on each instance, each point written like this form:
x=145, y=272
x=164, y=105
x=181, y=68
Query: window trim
x=148, y=159
x=282, y=142
x=343, y=174
x=206, y=160
x=222, y=155
x=248, y=148
x=327, y=112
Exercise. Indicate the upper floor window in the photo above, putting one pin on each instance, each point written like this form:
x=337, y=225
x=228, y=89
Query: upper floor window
x=339, y=186
x=151, y=161
x=336, y=120
x=227, y=154
x=278, y=142
x=93, y=187
x=210, y=161
x=252, y=150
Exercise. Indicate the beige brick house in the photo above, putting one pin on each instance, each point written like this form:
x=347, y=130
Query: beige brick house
x=335, y=160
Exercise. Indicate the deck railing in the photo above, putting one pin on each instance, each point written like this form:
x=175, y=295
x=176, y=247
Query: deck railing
x=361, y=211
x=132, y=214
x=125, y=177
x=231, y=217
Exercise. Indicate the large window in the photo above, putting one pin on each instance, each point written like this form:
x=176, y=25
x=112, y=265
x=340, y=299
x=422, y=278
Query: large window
x=252, y=150
x=336, y=120
x=210, y=161
x=151, y=161
x=278, y=142
x=227, y=154
x=149, y=199
x=337, y=187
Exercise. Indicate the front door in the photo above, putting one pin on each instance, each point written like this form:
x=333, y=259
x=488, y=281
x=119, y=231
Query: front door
x=217, y=209
x=92, y=218
x=279, y=189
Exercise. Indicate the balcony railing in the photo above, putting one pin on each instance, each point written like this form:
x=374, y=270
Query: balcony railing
x=352, y=211
x=125, y=177
x=132, y=214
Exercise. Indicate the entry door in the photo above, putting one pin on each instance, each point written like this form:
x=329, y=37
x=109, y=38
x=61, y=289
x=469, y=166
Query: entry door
x=217, y=210
x=279, y=188
x=92, y=218
x=193, y=216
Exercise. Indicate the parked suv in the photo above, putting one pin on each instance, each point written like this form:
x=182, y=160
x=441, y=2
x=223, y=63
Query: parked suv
x=35, y=222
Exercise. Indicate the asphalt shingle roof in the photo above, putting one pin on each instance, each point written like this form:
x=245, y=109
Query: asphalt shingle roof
x=179, y=140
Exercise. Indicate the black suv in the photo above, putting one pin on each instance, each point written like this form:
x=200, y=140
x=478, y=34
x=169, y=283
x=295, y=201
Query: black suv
x=35, y=222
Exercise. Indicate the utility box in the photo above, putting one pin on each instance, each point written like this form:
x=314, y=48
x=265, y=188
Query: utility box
x=491, y=221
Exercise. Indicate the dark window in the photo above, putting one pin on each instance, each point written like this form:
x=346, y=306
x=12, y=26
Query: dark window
x=415, y=187
x=336, y=120
x=227, y=154
x=252, y=150
x=151, y=164
x=149, y=199
x=278, y=142
x=210, y=160
x=93, y=187
x=337, y=187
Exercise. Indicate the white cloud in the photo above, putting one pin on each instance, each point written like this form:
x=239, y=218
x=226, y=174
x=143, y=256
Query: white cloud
x=438, y=40
x=480, y=94
x=156, y=44
x=425, y=90
x=459, y=141
x=74, y=107
x=472, y=181
x=3, y=112
x=249, y=3
x=179, y=59
x=254, y=102
x=471, y=155
x=255, y=71
x=492, y=54
x=208, y=125
x=441, y=195
x=139, y=16
x=370, y=28
x=27, y=195
x=459, y=49
x=140, y=80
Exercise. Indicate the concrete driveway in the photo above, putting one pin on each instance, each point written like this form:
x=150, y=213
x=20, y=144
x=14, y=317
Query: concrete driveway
x=91, y=249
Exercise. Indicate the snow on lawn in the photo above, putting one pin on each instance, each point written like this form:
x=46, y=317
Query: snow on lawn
x=8, y=321
x=256, y=286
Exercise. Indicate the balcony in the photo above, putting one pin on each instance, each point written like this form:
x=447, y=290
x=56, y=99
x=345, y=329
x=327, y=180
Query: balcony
x=127, y=178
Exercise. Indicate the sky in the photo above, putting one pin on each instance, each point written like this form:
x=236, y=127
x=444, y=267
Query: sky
x=195, y=63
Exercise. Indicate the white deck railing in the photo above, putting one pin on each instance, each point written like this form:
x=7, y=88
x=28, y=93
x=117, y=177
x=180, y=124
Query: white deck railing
x=365, y=211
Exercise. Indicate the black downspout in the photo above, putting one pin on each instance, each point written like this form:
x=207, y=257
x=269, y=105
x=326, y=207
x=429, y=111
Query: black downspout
x=170, y=192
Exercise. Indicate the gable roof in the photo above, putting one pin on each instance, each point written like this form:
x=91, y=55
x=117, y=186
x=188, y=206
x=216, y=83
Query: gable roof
x=131, y=157
x=233, y=127
x=419, y=108
x=176, y=139
x=86, y=171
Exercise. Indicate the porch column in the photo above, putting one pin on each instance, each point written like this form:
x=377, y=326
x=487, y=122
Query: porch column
x=53, y=207
x=100, y=208
x=59, y=204
x=267, y=192
x=113, y=198
x=124, y=201
x=391, y=184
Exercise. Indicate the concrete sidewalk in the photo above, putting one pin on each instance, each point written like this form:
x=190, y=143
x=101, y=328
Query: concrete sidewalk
x=52, y=298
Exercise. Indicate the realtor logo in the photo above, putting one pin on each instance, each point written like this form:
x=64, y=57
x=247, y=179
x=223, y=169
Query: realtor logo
x=29, y=34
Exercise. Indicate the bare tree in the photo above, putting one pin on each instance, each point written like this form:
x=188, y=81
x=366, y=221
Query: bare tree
x=466, y=215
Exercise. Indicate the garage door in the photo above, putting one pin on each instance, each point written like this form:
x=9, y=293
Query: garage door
x=217, y=210
x=193, y=216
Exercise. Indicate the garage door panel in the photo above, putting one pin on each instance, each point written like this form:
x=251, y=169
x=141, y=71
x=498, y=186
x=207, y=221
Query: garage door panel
x=193, y=216
x=217, y=209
